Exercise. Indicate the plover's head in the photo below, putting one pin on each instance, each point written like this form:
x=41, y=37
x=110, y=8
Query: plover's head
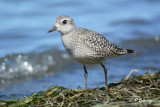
x=64, y=24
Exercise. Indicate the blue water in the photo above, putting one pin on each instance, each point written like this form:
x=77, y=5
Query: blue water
x=32, y=60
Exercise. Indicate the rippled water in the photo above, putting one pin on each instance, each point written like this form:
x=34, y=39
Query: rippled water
x=32, y=60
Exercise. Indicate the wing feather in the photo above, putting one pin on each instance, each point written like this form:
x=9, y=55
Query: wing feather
x=99, y=44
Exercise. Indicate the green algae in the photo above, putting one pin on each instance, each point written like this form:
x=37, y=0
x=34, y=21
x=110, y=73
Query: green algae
x=138, y=91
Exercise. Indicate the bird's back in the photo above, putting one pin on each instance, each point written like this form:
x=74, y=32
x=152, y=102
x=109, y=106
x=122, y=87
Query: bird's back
x=98, y=44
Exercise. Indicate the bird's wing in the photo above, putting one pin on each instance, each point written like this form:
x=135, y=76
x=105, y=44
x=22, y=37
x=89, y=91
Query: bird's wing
x=100, y=44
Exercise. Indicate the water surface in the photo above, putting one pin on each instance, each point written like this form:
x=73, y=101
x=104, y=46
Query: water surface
x=32, y=60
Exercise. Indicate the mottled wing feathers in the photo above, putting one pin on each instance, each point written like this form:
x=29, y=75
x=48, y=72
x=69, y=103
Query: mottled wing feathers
x=99, y=44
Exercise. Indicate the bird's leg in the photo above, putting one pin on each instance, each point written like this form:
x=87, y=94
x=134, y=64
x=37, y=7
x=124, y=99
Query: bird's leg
x=105, y=72
x=86, y=75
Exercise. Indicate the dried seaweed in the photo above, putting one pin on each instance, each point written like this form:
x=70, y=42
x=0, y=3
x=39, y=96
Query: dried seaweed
x=136, y=91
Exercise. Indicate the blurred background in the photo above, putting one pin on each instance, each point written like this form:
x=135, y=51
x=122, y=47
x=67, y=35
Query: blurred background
x=32, y=60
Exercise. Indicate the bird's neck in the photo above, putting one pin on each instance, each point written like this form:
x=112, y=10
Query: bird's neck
x=67, y=33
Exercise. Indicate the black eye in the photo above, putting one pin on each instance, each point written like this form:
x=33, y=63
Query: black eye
x=64, y=21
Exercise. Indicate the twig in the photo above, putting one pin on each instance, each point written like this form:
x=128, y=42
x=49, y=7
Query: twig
x=133, y=70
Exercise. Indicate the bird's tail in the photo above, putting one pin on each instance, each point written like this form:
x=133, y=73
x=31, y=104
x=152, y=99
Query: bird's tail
x=121, y=51
x=130, y=51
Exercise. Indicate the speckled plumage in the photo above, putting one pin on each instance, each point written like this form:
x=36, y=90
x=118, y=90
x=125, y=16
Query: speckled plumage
x=89, y=47
x=86, y=46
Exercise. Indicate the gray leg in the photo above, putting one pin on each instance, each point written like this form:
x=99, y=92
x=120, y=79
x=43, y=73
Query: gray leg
x=105, y=72
x=86, y=75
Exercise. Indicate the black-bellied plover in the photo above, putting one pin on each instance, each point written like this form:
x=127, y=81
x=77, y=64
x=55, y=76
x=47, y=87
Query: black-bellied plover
x=86, y=46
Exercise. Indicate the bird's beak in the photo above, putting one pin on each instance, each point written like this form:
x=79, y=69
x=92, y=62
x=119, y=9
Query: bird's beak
x=52, y=29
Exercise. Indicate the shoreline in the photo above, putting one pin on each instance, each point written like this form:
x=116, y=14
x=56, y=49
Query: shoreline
x=141, y=90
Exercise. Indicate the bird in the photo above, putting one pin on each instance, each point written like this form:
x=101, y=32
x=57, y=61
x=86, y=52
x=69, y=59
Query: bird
x=86, y=46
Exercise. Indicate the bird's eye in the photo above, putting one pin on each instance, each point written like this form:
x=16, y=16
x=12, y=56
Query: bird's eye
x=64, y=21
